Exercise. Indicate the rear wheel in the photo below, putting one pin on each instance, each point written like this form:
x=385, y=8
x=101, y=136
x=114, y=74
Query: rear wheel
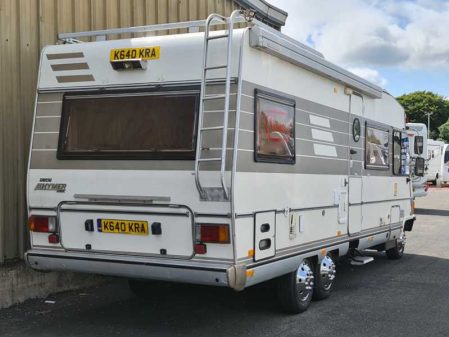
x=295, y=289
x=325, y=273
x=397, y=251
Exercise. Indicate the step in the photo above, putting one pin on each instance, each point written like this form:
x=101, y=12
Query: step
x=216, y=67
x=361, y=260
x=212, y=128
x=208, y=159
x=215, y=37
x=211, y=97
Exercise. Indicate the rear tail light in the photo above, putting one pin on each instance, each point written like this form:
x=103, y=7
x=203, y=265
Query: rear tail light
x=42, y=224
x=213, y=233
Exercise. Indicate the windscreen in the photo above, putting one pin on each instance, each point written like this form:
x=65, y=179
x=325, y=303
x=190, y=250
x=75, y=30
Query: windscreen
x=446, y=155
x=122, y=126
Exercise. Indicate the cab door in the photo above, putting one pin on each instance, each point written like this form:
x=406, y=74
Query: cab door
x=355, y=163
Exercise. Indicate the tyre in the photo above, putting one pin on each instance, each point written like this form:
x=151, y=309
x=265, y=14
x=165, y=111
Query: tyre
x=325, y=273
x=295, y=289
x=397, y=251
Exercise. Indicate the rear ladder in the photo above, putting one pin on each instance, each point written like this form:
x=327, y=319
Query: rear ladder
x=221, y=192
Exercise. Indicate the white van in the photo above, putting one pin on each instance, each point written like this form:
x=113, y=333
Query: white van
x=224, y=158
x=445, y=165
x=435, y=151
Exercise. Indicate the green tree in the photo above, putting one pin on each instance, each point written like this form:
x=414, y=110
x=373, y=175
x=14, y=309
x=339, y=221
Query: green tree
x=417, y=104
x=444, y=132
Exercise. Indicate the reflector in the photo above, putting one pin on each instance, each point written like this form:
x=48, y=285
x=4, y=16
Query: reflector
x=53, y=238
x=200, y=248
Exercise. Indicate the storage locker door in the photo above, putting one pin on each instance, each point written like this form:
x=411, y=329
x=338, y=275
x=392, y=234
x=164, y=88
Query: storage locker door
x=264, y=235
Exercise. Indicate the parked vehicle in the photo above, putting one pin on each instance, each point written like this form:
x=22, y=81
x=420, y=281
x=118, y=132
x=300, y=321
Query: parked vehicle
x=417, y=137
x=224, y=158
x=445, y=165
x=435, y=152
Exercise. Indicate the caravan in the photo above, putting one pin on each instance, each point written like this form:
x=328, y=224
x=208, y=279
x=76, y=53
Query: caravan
x=224, y=158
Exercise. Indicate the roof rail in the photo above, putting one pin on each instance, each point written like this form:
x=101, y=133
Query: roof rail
x=100, y=35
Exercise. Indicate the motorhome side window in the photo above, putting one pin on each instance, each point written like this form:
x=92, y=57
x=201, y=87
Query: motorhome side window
x=397, y=153
x=143, y=125
x=377, y=148
x=275, y=129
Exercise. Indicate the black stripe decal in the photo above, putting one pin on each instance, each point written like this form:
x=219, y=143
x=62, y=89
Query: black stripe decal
x=61, y=56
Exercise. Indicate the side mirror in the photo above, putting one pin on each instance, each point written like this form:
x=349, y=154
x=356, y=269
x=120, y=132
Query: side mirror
x=420, y=165
x=419, y=145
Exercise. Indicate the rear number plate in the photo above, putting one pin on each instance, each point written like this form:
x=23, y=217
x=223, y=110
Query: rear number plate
x=132, y=227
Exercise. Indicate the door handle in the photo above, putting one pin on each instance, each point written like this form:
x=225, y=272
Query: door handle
x=352, y=151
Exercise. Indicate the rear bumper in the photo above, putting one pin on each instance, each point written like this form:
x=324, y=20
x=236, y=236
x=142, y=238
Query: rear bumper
x=198, y=272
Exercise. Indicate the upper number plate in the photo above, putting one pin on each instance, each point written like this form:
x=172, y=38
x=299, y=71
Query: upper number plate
x=143, y=53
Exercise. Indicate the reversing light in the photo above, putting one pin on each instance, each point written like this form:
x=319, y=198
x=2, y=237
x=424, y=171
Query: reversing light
x=42, y=224
x=214, y=233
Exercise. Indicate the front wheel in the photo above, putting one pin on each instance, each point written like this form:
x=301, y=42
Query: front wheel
x=325, y=273
x=295, y=289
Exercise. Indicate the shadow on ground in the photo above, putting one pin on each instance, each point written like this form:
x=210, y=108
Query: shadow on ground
x=367, y=301
x=430, y=211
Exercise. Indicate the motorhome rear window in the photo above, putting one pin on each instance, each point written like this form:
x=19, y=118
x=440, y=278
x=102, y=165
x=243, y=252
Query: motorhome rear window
x=275, y=129
x=129, y=126
x=377, y=154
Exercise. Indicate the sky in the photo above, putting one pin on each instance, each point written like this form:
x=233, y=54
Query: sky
x=401, y=45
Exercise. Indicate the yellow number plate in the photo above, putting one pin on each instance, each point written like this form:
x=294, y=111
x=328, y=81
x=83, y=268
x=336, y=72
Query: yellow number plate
x=123, y=226
x=144, y=53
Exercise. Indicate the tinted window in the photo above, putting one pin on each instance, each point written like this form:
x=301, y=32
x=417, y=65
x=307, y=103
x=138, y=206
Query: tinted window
x=122, y=126
x=275, y=126
x=377, y=148
x=397, y=152
x=446, y=156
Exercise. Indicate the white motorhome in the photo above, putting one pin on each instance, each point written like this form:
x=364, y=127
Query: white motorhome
x=417, y=137
x=435, y=155
x=223, y=158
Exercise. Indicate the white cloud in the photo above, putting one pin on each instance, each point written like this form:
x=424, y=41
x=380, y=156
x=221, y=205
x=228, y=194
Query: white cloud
x=373, y=33
x=371, y=75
